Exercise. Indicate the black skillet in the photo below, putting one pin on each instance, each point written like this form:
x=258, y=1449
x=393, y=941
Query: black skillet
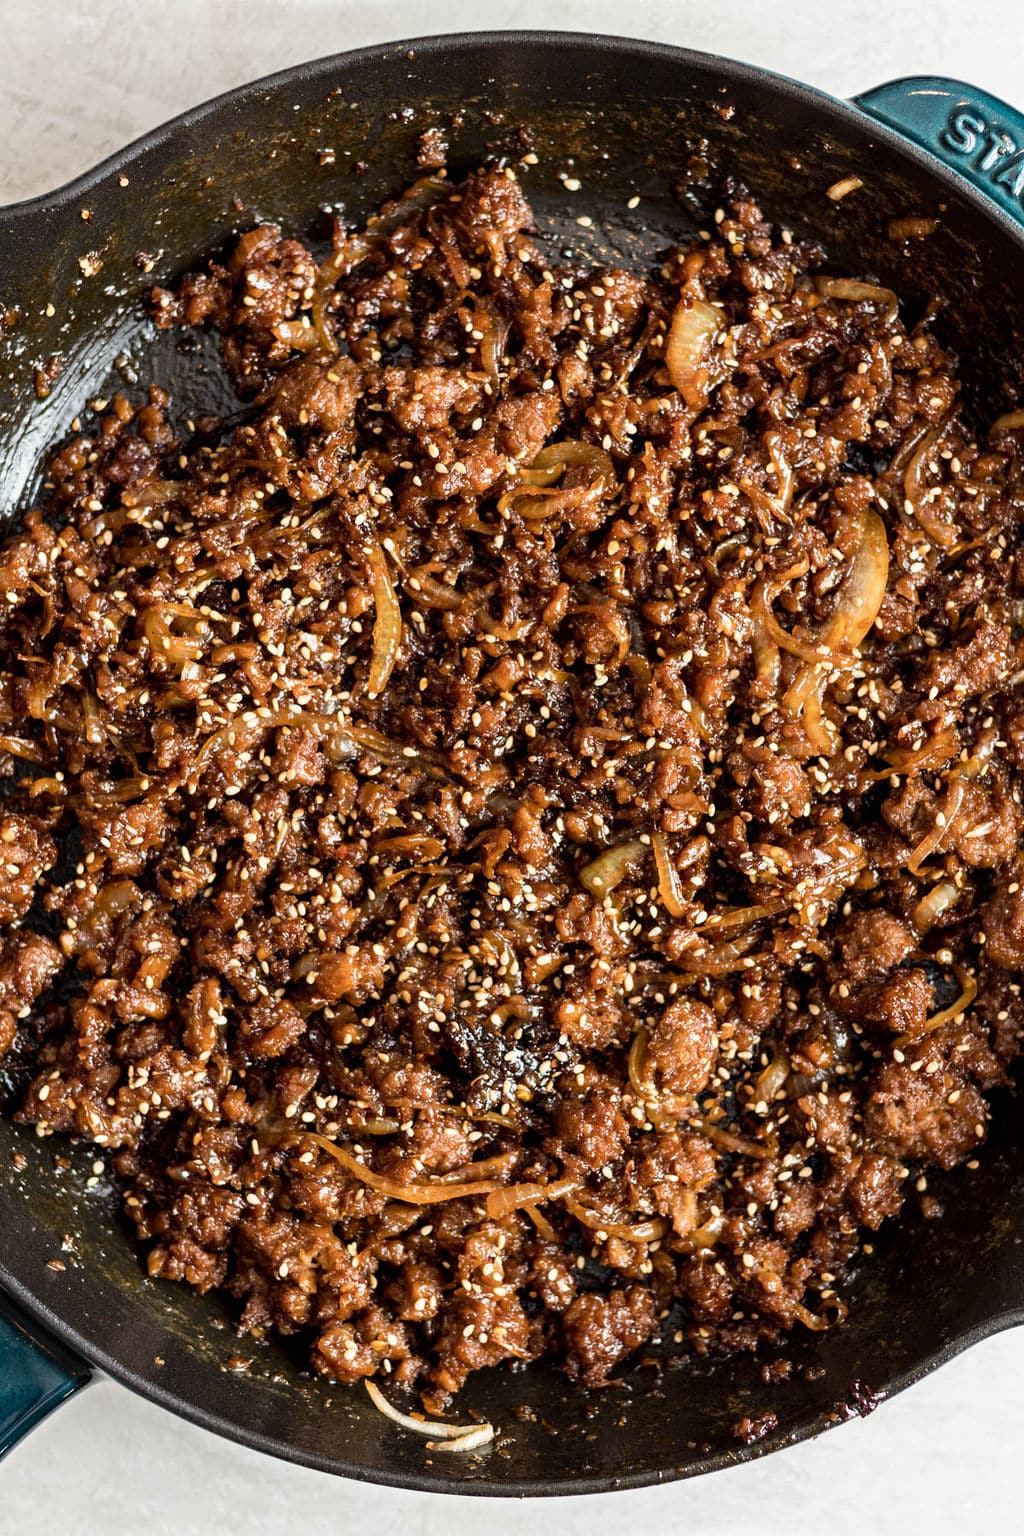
x=629, y=120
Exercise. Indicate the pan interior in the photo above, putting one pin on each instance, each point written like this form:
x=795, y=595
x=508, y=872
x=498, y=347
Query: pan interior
x=649, y=127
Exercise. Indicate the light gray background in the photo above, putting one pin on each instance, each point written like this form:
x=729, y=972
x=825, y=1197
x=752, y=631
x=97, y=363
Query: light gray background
x=78, y=80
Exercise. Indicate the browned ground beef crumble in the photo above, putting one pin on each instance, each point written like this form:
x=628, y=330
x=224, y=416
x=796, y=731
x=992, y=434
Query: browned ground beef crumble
x=340, y=712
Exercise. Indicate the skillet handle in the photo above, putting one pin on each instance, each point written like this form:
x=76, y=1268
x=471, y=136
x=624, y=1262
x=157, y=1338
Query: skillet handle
x=975, y=134
x=36, y=1375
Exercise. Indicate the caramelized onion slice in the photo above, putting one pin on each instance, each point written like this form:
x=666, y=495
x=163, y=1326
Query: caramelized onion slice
x=815, y=1320
x=426, y=1193
x=912, y=228
x=648, y=1231
x=410, y=845
x=933, y=754
x=857, y=607
x=610, y=868
x=860, y=596
x=669, y=888
x=721, y=959
x=1010, y=421
x=729, y=1141
x=242, y=731
x=350, y=252
x=766, y=653
x=772, y=1078
x=706, y=1235
x=784, y=641
x=857, y=293
x=154, y=493
x=742, y=917
x=298, y=334
x=968, y=992
x=517, y=1197
x=944, y=819
x=47, y=786
x=387, y=624
x=427, y=590
x=690, y=352
x=935, y=905
x=319, y=309
x=552, y=462
x=541, y=492
x=164, y=643
x=638, y=1078
x=916, y=465
x=544, y=1227
x=942, y=535
x=803, y=701
x=28, y=751
x=784, y=474
x=767, y=627
x=487, y=1168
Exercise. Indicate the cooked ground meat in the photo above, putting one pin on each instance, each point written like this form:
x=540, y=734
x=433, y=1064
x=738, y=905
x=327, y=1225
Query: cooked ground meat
x=541, y=791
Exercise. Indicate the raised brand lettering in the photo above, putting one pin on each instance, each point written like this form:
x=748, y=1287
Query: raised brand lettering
x=1011, y=173
x=999, y=145
x=963, y=131
x=993, y=151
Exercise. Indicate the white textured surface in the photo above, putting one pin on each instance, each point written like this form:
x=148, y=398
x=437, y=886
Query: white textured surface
x=78, y=80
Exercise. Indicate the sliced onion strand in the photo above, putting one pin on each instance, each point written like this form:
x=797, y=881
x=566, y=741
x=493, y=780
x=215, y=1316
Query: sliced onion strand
x=669, y=888
x=406, y=1194
x=611, y=867
x=387, y=625
x=429, y=1427
x=689, y=352
x=933, y=840
x=515, y=1197
x=968, y=992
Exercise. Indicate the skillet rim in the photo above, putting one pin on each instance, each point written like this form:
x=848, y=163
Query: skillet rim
x=13, y=218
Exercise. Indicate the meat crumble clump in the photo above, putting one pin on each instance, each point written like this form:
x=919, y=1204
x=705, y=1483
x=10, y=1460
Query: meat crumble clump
x=542, y=790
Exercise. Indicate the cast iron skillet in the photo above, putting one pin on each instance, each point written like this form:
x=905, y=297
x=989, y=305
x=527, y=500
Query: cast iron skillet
x=631, y=120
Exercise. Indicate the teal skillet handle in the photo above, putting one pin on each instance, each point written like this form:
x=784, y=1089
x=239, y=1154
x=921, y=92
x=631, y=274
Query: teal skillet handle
x=36, y=1375
x=975, y=134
